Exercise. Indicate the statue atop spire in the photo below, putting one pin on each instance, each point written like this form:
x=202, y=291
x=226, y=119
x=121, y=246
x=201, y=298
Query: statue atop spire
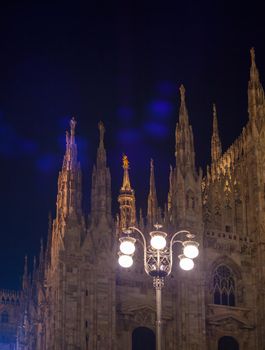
x=126, y=185
x=252, y=54
x=125, y=162
x=72, y=126
x=183, y=113
x=72, y=131
x=101, y=133
x=126, y=198
x=254, y=73
x=152, y=165
x=182, y=93
x=70, y=157
x=216, y=147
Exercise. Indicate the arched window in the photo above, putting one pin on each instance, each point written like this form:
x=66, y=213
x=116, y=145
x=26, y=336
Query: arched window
x=228, y=343
x=4, y=317
x=223, y=286
x=143, y=338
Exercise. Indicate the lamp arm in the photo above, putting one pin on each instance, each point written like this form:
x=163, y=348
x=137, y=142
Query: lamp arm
x=133, y=228
x=172, y=242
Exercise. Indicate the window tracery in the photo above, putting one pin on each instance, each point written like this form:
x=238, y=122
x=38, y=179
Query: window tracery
x=223, y=286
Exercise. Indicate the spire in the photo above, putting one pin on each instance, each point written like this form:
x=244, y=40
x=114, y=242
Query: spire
x=101, y=154
x=70, y=158
x=126, y=198
x=152, y=209
x=126, y=186
x=101, y=134
x=216, y=147
x=69, y=181
x=41, y=256
x=254, y=73
x=255, y=91
x=25, y=281
x=185, y=157
x=183, y=112
x=49, y=241
x=101, y=184
x=170, y=192
x=41, y=261
x=35, y=271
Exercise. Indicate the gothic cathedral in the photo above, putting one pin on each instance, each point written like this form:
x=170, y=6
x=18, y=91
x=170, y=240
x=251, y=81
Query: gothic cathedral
x=80, y=299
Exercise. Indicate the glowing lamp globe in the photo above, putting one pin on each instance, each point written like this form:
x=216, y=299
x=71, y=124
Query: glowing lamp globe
x=127, y=245
x=185, y=263
x=125, y=260
x=190, y=249
x=158, y=240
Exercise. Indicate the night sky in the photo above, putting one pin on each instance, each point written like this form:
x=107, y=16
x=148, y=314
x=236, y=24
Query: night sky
x=122, y=64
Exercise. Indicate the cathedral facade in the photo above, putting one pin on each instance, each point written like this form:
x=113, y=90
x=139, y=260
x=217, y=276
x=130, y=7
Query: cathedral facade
x=79, y=298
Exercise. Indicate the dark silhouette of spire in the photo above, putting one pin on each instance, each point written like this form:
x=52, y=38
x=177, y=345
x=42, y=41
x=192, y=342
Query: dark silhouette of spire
x=152, y=208
x=185, y=157
x=101, y=184
x=255, y=91
x=216, y=147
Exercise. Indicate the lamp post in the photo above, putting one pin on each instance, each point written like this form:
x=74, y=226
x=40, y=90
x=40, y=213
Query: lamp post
x=158, y=259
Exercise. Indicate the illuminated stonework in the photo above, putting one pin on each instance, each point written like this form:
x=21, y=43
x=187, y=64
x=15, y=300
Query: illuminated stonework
x=126, y=199
x=81, y=299
x=9, y=316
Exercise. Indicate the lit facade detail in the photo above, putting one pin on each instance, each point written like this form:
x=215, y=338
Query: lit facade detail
x=80, y=298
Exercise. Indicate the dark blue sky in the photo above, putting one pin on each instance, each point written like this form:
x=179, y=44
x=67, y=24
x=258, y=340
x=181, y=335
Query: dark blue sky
x=122, y=64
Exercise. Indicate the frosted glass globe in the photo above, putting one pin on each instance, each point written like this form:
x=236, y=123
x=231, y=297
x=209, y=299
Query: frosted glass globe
x=191, y=249
x=158, y=242
x=186, y=263
x=127, y=246
x=125, y=261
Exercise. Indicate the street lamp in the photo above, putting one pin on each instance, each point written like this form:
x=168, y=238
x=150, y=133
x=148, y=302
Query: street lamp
x=158, y=259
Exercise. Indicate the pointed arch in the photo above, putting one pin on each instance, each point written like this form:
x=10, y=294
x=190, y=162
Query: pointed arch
x=225, y=282
x=228, y=343
x=223, y=285
x=143, y=338
x=225, y=260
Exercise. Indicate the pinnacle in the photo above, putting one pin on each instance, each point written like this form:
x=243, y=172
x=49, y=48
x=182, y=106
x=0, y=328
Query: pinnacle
x=152, y=178
x=252, y=54
x=126, y=185
x=182, y=92
x=125, y=162
x=216, y=148
x=26, y=264
x=215, y=123
x=254, y=74
x=152, y=163
x=214, y=110
x=101, y=131
x=183, y=113
x=72, y=126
